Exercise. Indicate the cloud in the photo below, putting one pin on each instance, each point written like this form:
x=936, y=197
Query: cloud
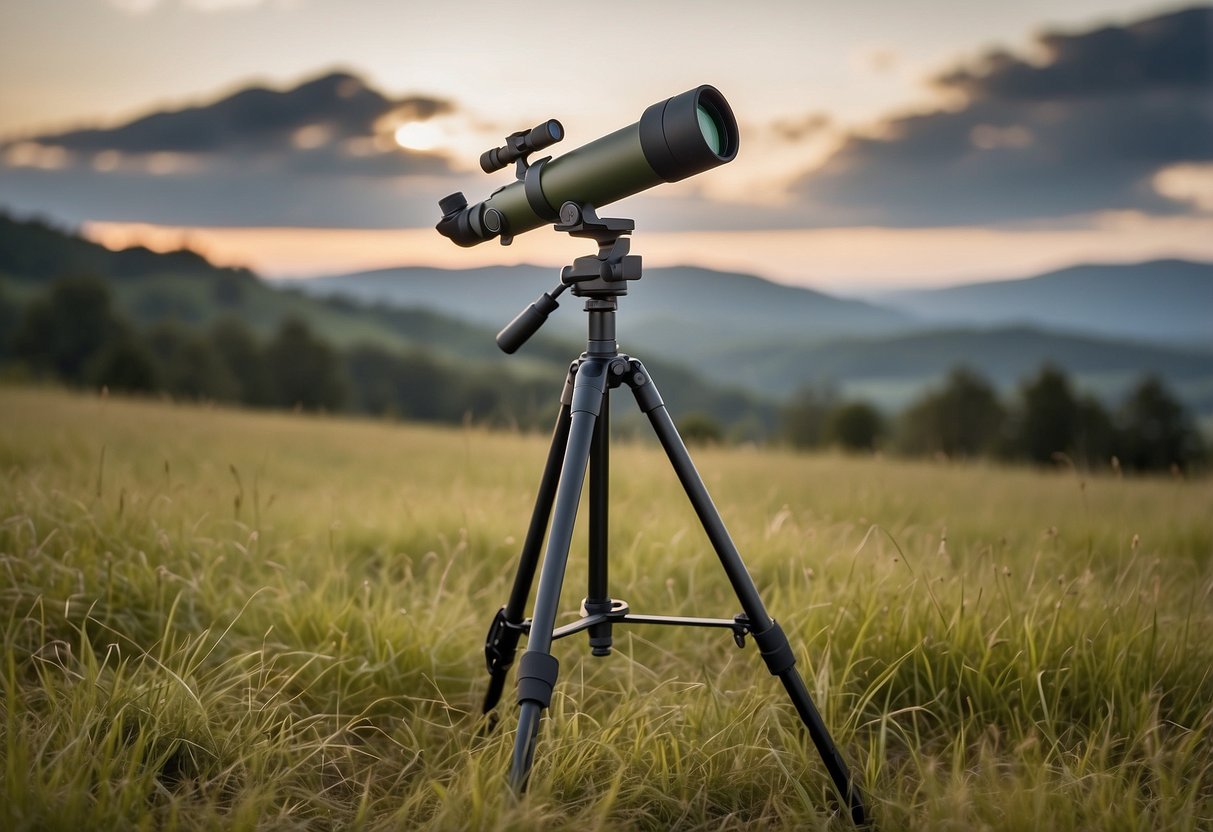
x=800, y=129
x=138, y=7
x=334, y=122
x=322, y=153
x=1085, y=129
x=134, y=6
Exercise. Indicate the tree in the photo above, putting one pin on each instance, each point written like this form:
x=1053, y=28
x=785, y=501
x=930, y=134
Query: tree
x=1095, y=436
x=189, y=367
x=125, y=364
x=1154, y=430
x=855, y=426
x=305, y=370
x=10, y=319
x=412, y=386
x=699, y=428
x=1048, y=420
x=238, y=350
x=963, y=418
x=803, y=418
x=61, y=333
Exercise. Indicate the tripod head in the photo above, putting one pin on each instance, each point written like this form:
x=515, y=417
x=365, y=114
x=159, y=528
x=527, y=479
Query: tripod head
x=600, y=277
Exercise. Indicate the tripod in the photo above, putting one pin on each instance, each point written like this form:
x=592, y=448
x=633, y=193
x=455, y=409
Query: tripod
x=581, y=439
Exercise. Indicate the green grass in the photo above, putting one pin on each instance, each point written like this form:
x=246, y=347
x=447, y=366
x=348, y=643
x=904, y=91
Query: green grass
x=213, y=618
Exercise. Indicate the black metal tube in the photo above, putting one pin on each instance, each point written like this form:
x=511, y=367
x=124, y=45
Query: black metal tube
x=528, y=561
x=560, y=537
x=588, y=393
x=848, y=792
x=598, y=596
x=524, y=745
x=709, y=517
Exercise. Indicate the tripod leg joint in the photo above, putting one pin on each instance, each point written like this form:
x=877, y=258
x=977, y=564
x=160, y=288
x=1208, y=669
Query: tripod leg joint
x=536, y=677
x=647, y=397
x=775, y=650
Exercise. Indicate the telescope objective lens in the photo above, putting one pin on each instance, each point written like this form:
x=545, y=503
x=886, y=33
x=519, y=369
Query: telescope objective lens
x=712, y=129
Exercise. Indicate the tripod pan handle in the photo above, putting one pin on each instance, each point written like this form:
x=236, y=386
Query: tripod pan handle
x=518, y=331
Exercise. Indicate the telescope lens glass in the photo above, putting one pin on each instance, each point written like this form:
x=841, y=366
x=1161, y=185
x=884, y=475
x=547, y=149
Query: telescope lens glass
x=711, y=127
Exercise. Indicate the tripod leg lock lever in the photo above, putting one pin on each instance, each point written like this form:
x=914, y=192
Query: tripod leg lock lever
x=536, y=677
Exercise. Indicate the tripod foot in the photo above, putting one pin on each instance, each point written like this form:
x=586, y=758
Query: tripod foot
x=524, y=745
x=849, y=794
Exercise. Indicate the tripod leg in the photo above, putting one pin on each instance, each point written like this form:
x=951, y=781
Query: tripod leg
x=537, y=670
x=768, y=635
x=598, y=596
x=502, y=642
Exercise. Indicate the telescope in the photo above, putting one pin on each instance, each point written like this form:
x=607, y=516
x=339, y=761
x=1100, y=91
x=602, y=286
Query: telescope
x=673, y=140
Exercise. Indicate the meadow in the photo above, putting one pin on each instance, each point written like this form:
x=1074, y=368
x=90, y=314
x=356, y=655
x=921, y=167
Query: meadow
x=214, y=618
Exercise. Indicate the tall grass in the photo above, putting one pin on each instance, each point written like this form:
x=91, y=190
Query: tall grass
x=220, y=619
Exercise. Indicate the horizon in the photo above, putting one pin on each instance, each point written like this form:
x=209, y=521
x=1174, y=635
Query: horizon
x=180, y=242
x=910, y=148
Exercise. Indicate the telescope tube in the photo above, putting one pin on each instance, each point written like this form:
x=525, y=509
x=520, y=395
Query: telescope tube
x=674, y=139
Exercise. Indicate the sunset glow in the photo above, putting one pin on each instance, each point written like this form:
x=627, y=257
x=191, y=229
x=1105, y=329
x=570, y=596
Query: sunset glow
x=843, y=260
x=419, y=135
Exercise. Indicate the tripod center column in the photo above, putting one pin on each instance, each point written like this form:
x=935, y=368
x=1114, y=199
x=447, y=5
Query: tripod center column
x=602, y=327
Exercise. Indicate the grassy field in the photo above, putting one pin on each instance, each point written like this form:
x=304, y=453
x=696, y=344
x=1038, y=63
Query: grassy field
x=219, y=619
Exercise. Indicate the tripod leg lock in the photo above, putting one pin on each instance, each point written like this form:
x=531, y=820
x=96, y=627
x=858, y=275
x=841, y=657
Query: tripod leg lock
x=776, y=651
x=536, y=677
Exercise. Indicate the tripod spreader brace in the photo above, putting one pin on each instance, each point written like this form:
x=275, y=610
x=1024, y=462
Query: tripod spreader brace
x=498, y=654
x=599, y=276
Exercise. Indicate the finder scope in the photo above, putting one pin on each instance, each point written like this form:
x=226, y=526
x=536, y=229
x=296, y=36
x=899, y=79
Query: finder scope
x=673, y=140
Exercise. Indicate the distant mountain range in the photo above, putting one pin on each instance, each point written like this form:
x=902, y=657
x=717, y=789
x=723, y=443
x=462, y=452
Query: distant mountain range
x=1167, y=301
x=1106, y=325
x=682, y=309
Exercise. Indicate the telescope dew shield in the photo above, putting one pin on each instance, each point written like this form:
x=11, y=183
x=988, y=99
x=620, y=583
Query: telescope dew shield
x=673, y=140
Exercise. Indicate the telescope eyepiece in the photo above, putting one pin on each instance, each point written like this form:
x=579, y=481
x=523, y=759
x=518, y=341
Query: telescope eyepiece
x=520, y=144
x=452, y=204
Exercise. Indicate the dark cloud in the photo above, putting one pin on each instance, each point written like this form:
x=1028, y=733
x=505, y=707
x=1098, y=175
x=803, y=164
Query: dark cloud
x=1081, y=132
x=321, y=153
x=799, y=129
x=1171, y=52
x=339, y=106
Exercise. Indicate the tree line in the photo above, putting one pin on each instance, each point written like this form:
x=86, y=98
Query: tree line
x=73, y=334
x=1046, y=421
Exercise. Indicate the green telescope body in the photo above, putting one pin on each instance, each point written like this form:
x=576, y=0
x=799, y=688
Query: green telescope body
x=674, y=139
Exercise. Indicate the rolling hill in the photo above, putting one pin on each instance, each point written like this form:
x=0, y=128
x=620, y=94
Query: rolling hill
x=1165, y=301
x=891, y=370
x=772, y=339
x=723, y=344
x=675, y=311
x=182, y=287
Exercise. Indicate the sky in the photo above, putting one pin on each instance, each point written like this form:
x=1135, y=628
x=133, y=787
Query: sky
x=883, y=144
